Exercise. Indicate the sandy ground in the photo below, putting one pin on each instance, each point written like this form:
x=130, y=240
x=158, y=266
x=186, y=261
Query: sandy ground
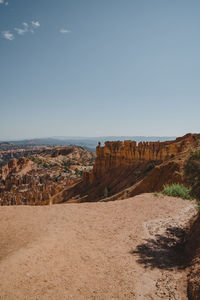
x=111, y=250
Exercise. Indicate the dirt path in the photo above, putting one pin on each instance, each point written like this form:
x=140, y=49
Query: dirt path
x=112, y=250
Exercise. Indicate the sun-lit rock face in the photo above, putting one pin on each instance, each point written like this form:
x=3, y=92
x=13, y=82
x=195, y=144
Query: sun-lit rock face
x=34, y=180
x=15, y=166
x=115, y=154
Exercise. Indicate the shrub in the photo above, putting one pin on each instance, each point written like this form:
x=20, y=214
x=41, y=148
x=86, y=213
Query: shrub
x=136, y=172
x=66, y=163
x=77, y=172
x=176, y=190
x=105, y=192
x=197, y=207
x=45, y=165
x=192, y=173
x=149, y=167
x=156, y=194
x=54, y=165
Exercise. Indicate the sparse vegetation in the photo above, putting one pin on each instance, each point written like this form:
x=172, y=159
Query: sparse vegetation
x=197, y=143
x=136, y=172
x=197, y=207
x=67, y=163
x=105, y=192
x=36, y=160
x=192, y=173
x=78, y=173
x=177, y=190
x=51, y=165
x=149, y=167
x=45, y=165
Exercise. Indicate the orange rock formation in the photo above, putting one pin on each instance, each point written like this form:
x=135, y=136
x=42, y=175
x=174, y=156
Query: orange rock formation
x=15, y=166
x=36, y=179
x=116, y=154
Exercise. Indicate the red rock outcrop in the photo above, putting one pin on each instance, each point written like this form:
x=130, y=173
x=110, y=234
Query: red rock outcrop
x=115, y=154
x=167, y=172
x=21, y=165
x=36, y=179
x=6, y=155
x=126, y=169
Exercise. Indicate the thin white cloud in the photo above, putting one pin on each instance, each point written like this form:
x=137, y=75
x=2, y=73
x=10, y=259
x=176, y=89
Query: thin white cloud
x=8, y=35
x=25, y=25
x=35, y=24
x=2, y=2
x=22, y=31
x=62, y=30
x=25, y=28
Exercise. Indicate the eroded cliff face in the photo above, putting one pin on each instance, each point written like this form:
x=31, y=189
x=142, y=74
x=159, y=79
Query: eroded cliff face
x=20, y=166
x=127, y=153
x=126, y=169
x=36, y=179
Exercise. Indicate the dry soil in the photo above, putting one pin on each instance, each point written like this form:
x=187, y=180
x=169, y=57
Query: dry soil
x=108, y=250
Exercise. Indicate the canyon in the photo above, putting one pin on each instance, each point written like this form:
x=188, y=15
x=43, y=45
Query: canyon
x=126, y=169
x=45, y=172
x=8, y=152
x=156, y=236
x=71, y=174
x=115, y=154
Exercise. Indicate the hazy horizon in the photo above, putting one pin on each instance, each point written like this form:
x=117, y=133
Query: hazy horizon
x=85, y=137
x=99, y=68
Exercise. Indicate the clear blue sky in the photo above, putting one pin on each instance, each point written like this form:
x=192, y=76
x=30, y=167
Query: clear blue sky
x=99, y=67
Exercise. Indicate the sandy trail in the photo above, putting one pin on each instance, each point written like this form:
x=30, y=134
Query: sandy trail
x=91, y=250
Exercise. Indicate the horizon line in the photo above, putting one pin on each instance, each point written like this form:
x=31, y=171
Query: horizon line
x=81, y=137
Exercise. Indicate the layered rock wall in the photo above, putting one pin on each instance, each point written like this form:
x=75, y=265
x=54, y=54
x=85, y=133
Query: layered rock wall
x=115, y=154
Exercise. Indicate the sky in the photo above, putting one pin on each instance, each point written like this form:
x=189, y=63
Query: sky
x=99, y=68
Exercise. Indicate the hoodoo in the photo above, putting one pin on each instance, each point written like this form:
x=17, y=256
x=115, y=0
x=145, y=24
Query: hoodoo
x=127, y=153
x=126, y=169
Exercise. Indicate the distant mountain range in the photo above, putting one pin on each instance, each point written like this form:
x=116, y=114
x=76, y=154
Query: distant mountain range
x=88, y=143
